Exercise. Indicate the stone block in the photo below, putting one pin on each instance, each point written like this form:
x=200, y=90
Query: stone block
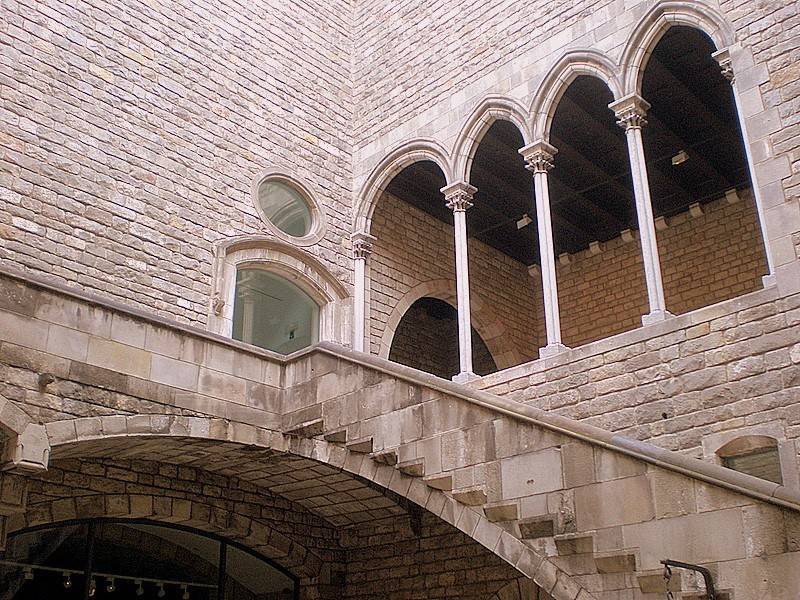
x=23, y=331
x=613, y=465
x=537, y=527
x=531, y=473
x=673, y=493
x=578, y=464
x=615, y=502
x=173, y=372
x=67, y=343
x=118, y=357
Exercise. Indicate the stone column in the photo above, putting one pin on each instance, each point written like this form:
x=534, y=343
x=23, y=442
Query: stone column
x=630, y=112
x=248, y=316
x=362, y=248
x=539, y=160
x=458, y=197
x=723, y=57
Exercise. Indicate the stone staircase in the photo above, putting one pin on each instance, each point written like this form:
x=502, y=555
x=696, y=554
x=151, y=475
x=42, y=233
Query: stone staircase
x=576, y=553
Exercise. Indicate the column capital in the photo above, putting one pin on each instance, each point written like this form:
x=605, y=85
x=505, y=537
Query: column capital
x=362, y=245
x=723, y=57
x=458, y=196
x=630, y=111
x=539, y=156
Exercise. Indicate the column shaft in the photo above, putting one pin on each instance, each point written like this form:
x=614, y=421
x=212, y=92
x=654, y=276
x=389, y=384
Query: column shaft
x=539, y=158
x=458, y=197
x=630, y=112
x=362, y=248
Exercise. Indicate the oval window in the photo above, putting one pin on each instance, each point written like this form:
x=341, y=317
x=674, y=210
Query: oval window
x=285, y=207
x=273, y=313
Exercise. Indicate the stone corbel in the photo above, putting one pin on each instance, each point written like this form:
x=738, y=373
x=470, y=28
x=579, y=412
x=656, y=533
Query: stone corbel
x=27, y=452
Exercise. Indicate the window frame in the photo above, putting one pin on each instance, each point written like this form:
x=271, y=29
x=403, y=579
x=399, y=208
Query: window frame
x=318, y=220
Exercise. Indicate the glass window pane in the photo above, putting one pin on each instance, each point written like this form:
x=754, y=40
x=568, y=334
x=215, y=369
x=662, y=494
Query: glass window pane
x=247, y=577
x=46, y=563
x=273, y=313
x=285, y=207
x=136, y=554
x=765, y=464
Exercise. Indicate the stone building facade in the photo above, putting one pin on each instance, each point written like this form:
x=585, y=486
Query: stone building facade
x=616, y=300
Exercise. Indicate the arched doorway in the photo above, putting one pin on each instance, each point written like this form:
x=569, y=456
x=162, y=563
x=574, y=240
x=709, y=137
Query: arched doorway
x=427, y=339
x=133, y=560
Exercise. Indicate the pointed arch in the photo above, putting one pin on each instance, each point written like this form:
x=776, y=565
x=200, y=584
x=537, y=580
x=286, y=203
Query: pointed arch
x=570, y=66
x=490, y=109
x=402, y=156
x=652, y=26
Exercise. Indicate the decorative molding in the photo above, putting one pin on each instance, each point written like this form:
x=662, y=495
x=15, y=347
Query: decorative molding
x=539, y=156
x=630, y=111
x=723, y=57
x=362, y=245
x=458, y=196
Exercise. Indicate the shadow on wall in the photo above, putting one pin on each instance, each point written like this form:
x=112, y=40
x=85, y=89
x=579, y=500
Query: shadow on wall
x=427, y=339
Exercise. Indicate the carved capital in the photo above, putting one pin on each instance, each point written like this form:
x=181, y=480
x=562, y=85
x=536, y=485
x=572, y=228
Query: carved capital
x=630, y=111
x=539, y=156
x=362, y=245
x=723, y=57
x=458, y=196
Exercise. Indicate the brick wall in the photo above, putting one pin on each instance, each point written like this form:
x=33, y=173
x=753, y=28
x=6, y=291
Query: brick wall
x=420, y=558
x=413, y=248
x=705, y=260
x=132, y=132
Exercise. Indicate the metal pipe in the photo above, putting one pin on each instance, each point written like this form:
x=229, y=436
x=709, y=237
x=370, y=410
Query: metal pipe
x=711, y=593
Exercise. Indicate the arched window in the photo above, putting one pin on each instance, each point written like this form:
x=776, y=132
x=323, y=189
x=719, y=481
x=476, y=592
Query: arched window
x=755, y=455
x=134, y=559
x=273, y=313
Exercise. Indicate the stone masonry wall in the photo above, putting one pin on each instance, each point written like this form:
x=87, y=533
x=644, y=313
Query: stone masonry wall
x=732, y=367
x=132, y=133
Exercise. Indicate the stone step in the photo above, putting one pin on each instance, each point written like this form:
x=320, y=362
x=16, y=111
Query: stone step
x=440, y=481
x=616, y=561
x=306, y=429
x=337, y=436
x=471, y=496
x=414, y=467
x=538, y=527
x=386, y=457
x=501, y=511
x=568, y=544
x=652, y=582
x=360, y=445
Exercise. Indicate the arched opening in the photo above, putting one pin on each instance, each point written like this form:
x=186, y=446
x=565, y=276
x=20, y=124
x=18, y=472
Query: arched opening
x=272, y=312
x=132, y=559
x=414, y=245
x=427, y=339
x=709, y=238
x=502, y=221
x=600, y=274
x=756, y=455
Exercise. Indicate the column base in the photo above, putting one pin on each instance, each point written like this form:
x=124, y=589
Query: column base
x=769, y=281
x=465, y=377
x=656, y=317
x=552, y=350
